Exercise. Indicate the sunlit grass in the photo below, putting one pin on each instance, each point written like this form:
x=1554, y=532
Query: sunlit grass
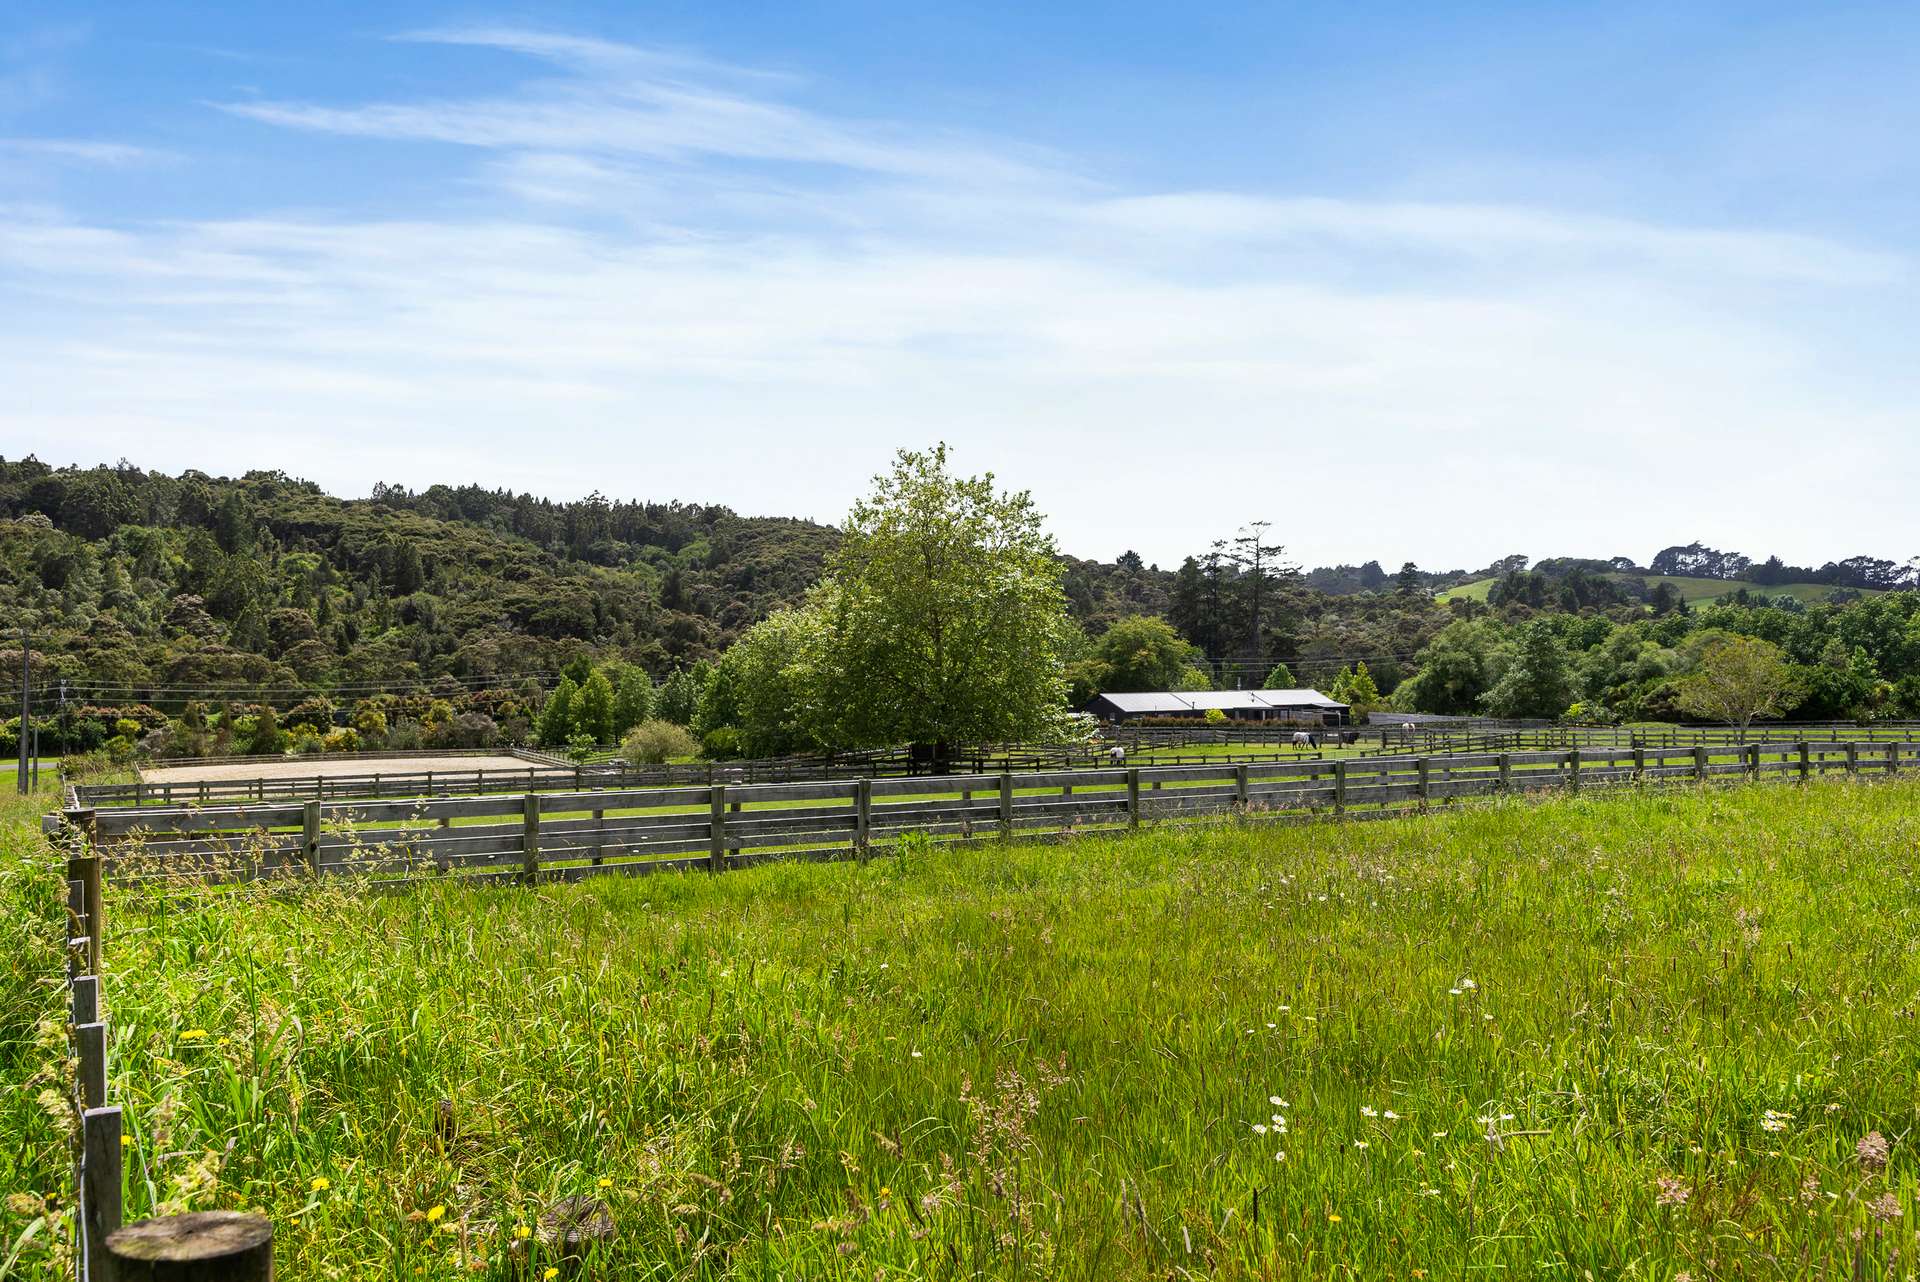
x=1632, y=1034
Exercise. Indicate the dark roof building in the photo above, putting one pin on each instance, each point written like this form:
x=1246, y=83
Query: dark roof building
x=1300, y=707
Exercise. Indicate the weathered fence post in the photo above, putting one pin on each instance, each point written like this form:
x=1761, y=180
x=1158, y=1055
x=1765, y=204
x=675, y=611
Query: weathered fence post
x=204, y=1246
x=599, y=837
x=1425, y=766
x=717, y=828
x=1133, y=796
x=85, y=999
x=530, y=836
x=1006, y=805
x=1753, y=761
x=1340, y=786
x=1700, y=762
x=90, y=1041
x=862, y=817
x=1639, y=761
x=99, y=1183
x=1506, y=772
x=1573, y=771
x=310, y=832
x=1242, y=792
x=1853, y=758
x=1806, y=761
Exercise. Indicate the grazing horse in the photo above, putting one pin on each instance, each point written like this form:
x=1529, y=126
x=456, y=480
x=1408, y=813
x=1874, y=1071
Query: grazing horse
x=1349, y=736
x=1301, y=739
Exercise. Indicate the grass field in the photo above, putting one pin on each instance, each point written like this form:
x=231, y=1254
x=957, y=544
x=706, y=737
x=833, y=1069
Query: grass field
x=1631, y=1035
x=1693, y=591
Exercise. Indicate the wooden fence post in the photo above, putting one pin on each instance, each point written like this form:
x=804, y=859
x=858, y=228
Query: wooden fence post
x=1639, y=762
x=1700, y=762
x=530, y=836
x=1133, y=796
x=1573, y=771
x=599, y=838
x=862, y=817
x=1806, y=761
x=85, y=1000
x=99, y=1184
x=1340, y=786
x=1753, y=761
x=202, y=1246
x=1506, y=772
x=717, y=828
x=1425, y=766
x=90, y=1041
x=1853, y=758
x=93, y=897
x=310, y=831
x=1006, y=805
x=1242, y=793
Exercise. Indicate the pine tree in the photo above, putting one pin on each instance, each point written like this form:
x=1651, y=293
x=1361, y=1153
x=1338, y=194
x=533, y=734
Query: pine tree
x=592, y=709
x=679, y=700
x=556, y=721
x=632, y=701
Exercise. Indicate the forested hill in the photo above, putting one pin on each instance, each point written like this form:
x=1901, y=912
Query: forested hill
x=143, y=588
x=158, y=584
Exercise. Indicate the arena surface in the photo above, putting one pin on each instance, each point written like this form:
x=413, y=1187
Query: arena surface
x=333, y=768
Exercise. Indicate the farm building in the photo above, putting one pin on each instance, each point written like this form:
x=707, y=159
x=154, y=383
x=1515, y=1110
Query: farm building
x=1296, y=707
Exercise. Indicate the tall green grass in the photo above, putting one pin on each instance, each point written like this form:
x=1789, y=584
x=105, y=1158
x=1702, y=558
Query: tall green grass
x=1638, y=1034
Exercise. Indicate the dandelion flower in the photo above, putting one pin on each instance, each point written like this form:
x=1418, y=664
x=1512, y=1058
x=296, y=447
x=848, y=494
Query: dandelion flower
x=320, y=1184
x=1332, y=1218
x=885, y=1191
x=551, y=1273
x=192, y=1034
x=522, y=1232
x=606, y=1183
x=434, y=1213
x=126, y=1141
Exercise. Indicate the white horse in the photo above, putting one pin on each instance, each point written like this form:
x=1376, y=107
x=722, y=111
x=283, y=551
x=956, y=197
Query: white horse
x=1301, y=739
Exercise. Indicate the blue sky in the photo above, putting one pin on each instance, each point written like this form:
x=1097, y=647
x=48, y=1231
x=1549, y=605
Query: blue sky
x=1431, y=281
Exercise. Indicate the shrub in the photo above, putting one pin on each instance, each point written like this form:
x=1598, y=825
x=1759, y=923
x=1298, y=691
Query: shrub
x=654, y=742
x=1215, y=717
x=345, y=739
x=722, y=743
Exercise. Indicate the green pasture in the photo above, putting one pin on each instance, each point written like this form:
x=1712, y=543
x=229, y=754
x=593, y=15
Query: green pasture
x=1633, y=1034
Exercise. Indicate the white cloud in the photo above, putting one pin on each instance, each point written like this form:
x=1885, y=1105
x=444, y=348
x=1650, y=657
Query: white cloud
x=1382, y=378
x=82, y=151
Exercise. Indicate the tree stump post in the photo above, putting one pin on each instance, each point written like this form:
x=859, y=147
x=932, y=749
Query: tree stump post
x=204, y=1246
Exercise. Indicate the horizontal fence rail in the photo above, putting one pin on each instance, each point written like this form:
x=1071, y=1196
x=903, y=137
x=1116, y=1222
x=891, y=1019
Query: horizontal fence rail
x=570, y=835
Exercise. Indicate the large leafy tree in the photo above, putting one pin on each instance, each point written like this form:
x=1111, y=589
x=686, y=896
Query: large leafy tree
x=592, y=709
x=945, y=618
x=1143, y=652
x=1737, y=679
x=1538, y=680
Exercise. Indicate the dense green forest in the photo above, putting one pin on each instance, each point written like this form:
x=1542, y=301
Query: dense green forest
x=448, y=615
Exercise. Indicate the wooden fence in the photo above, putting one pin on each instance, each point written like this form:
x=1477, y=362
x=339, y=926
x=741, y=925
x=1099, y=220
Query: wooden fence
x=577, y=834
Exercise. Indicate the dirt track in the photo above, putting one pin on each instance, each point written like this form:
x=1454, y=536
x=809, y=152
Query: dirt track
x=308, y=767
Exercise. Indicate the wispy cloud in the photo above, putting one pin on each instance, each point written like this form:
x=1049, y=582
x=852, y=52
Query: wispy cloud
x=685, y=284
x=84, y=151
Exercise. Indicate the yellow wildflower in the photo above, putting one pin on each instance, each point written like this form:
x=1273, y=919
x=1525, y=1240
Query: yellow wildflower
x=1332, y=1218
x=522, y=1232
x=434, y=1213
x=606, y=1184
x=550, y=1274
x=192, y=1034
x=320, y=1184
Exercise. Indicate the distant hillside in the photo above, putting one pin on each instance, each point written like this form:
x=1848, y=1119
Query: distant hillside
x=1693, y=591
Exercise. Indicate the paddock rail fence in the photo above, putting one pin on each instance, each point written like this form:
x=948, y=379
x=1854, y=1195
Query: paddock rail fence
x=538, y=836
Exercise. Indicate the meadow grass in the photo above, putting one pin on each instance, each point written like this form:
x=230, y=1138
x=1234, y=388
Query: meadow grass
x=1629, y=1034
